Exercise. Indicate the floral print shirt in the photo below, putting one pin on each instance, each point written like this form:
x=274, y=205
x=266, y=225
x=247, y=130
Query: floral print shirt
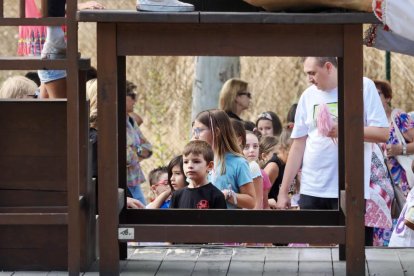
x=404, y=123
x=135, y=176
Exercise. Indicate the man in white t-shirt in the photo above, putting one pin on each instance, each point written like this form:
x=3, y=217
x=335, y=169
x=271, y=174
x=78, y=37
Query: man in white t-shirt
x=317, y=154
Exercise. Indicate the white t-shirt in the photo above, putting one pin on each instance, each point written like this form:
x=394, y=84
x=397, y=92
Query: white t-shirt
x=320, y=161
x=255, y=169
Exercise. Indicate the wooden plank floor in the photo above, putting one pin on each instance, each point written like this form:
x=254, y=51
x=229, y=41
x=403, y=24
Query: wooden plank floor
x=220, y=260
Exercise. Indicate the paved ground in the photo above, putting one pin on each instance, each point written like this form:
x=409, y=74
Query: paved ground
x=240, y=261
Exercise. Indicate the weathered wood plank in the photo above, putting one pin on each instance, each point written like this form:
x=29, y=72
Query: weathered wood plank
x=144, y=261
x=204, y=39
x=247, y=261
x=245, y=233
x=179, y=261
x=315, y=261
x=213, y=261
x=383, y=262
x=122, y=16
x=281, y=261
x=406, y=256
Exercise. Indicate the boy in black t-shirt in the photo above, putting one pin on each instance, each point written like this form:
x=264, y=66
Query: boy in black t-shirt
x=199, y=194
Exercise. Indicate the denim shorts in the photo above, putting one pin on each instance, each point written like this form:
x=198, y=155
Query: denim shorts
x=46, y=76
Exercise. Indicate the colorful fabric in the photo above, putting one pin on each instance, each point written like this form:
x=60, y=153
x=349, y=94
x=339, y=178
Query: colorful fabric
x=378, y=207
x=135, y=176
x=403, y=236
x=31, y=38
x=397, y=15
x=404, y=123
x=381, y=37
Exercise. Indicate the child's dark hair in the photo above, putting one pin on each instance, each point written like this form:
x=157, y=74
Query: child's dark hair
x=199, y=147
x=291, y=113
x=176, y=161
x=271, y=116
x=240, y=131
x=155, y=174
x=249, y=125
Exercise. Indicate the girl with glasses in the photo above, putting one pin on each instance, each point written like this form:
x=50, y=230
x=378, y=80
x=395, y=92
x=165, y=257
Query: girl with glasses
x=231, y=173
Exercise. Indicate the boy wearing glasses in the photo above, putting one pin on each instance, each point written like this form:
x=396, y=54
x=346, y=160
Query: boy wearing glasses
x=199, y=194
x=158, y=181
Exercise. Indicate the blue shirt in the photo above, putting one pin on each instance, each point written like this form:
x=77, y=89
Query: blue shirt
x=237, y=174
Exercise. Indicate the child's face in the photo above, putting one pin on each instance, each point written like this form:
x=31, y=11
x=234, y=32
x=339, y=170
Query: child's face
x=201, y=132
x=265, y=127
x=177, y=178
x=161, y=185
x=196, y=167
x=251, y=150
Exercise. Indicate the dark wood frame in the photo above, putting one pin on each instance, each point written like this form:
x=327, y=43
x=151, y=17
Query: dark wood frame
x=79, y=208
x=123, y=33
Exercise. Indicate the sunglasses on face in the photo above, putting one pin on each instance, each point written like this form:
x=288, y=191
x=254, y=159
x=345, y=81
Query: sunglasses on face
x=248, y=94
x=133, y=96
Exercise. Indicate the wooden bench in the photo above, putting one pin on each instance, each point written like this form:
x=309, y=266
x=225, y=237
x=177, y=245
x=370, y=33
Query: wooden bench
x=33, y=189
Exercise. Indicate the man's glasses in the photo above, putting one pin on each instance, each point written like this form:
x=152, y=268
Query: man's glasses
x=248, y=94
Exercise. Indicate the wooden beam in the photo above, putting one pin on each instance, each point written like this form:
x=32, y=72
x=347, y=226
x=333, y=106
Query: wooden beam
x=30, y=63
x=33, y=219
x=49, y=21
x=234, y=217
x=234, y=233
x=204, y=39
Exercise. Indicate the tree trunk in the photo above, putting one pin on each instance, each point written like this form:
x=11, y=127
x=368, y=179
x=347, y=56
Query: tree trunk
x=211, y=73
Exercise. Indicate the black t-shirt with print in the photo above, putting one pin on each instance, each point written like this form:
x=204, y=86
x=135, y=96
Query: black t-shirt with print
x=204, y=197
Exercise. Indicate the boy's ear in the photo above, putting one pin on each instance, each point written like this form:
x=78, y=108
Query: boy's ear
x=210, y=166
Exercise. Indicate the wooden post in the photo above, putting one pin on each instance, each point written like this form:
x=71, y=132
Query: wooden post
x=77, y=139
x=1, y=9
x=108, y=170
x=44, y=8
x=22, y=8
x=351, y=91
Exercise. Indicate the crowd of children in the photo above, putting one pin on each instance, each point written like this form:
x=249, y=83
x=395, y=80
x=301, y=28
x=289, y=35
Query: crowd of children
x=234, y=164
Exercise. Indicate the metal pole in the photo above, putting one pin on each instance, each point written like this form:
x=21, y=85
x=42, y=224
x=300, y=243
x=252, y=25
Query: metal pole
x=388, y=66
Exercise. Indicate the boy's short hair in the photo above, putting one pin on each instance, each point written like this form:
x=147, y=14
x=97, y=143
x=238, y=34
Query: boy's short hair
x=199, y=147
x=155, y=174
